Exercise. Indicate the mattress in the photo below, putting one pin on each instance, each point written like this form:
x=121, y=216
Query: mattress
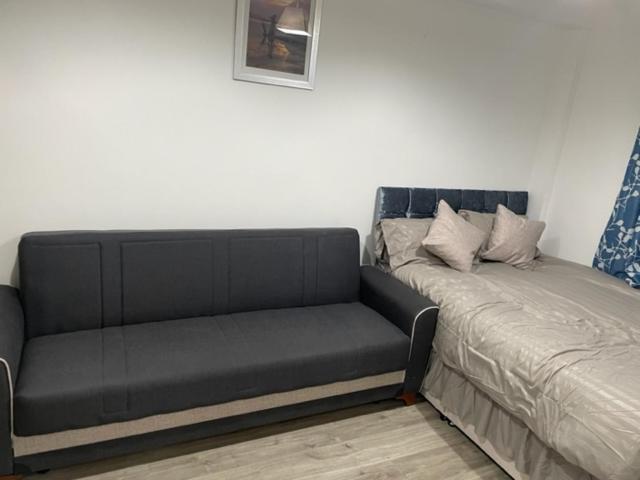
x=557, y=347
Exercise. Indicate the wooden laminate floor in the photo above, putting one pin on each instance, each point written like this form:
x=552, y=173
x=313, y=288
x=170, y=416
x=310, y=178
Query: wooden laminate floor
x=378, y=441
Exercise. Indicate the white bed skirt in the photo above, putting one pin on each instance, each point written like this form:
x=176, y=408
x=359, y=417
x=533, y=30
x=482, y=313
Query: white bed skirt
x=508, y=441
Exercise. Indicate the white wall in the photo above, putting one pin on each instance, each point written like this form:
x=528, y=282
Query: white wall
x=604, y=120
x=124, y=114
x=551, y=135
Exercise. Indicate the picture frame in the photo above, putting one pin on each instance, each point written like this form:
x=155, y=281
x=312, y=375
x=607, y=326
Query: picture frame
x=276, y=42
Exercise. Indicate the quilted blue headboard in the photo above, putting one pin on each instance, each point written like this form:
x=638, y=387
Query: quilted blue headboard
x=399, y=202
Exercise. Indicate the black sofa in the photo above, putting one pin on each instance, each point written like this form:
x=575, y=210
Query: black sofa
x=123, y=341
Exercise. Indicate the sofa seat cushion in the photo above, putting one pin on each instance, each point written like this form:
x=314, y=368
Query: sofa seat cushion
x=94, y=377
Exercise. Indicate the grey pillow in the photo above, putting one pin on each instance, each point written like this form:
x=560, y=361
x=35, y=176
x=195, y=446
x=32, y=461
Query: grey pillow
x=453, y=239
x=402, y=240
x=379, y=246
x=484, y=221
x=513, y=240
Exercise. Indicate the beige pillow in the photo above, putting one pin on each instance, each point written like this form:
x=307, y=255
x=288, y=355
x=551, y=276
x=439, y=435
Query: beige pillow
x=379, y=247
x=484, y=221
x=513, y=240
x=453, y=239
x=403, y=237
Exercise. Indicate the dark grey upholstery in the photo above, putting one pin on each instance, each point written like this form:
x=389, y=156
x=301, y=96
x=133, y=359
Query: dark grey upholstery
x=6, y=452
x=11, y=328
x=80, y=379
x=11, y=341
x=114, y=326
x=86, y=280
x=414, y=314
x=153, y=441
x=402, y=202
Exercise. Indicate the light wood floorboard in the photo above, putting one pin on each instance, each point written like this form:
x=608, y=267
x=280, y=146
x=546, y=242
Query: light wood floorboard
x=379, y=441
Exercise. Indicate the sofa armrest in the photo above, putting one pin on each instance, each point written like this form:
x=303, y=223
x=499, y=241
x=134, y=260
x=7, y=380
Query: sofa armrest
x=11, y=330
x=411, y=312
x=11, y=343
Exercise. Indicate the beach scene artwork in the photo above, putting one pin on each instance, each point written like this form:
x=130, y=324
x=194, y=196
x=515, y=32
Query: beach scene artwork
x=269, y=48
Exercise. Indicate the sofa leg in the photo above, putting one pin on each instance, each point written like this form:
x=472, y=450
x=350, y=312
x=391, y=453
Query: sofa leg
x=408, y=398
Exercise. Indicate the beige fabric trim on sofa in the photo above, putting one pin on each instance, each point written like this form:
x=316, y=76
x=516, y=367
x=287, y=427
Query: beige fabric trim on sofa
x=74, y=438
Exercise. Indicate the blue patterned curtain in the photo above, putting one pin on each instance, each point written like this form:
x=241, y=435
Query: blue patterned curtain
x=619, y=250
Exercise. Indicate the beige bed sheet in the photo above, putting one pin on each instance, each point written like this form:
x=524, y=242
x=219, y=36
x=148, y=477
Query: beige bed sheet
x=557, y=347
x=508, y=441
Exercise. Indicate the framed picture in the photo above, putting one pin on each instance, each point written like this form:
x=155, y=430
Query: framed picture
x=277, y=41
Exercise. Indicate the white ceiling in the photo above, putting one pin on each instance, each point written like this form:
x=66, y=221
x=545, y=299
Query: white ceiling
x=577, y=13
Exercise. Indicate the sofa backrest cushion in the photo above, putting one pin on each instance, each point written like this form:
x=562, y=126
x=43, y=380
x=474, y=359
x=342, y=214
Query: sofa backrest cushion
x=83, y=280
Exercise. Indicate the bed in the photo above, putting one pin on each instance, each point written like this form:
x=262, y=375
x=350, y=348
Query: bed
x=539, y=367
